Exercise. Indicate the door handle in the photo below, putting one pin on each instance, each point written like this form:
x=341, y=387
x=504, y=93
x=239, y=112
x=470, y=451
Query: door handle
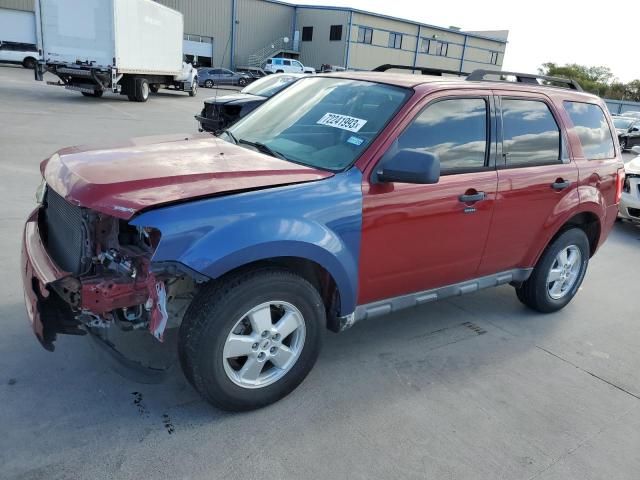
x=560, y=184
x=472, y=198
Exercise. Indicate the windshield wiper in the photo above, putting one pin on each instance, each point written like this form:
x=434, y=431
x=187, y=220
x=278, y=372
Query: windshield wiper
x=230, y=135
x=263, y=148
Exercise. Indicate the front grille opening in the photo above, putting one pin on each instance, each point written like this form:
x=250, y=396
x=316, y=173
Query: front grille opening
x=634, y=212
x=65, y=232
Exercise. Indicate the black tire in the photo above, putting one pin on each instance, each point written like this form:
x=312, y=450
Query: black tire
x=215, y=311
x=534, y=292
x=208, y=83
x=242, y=82
x=29, y=63
x=194, y=88
x=154, y=88
x=142, y=90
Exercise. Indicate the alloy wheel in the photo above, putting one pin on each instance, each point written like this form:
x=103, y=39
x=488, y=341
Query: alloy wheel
x=564, y=272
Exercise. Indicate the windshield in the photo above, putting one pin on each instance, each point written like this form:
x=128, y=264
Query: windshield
x=622, y=122
x=322, y=122
x=269, y=85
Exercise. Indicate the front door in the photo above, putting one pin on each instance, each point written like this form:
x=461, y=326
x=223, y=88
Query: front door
x=536, y=179
x=417, y=237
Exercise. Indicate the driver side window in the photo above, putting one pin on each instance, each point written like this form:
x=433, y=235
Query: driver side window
x=454, y=129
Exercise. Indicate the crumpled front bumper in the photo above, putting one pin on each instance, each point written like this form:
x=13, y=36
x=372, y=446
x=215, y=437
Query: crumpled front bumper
x=38, y=271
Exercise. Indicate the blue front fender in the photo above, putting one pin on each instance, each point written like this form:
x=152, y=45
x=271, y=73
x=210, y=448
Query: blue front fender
x=318, y=221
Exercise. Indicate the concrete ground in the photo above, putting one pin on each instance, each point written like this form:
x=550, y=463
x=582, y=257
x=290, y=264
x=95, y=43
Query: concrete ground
x=476, y=387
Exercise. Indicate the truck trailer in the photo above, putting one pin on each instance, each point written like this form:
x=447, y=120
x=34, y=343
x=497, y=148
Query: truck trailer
x=131, y=47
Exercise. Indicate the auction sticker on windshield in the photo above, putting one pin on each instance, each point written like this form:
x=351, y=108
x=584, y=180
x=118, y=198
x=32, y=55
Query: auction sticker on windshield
x=343, y=122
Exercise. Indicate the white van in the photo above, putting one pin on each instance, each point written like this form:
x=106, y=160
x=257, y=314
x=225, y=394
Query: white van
x=286, y=65
x=25, y=54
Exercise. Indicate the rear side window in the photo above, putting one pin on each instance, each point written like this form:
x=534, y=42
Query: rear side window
x=530, y=134
x=453, y=129
x=592, y=129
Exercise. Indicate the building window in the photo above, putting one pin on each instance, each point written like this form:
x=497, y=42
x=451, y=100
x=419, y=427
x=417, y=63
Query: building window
x=424, y=45
x=307, y=34
x=336, y=32
x=494, y=58
x=442, y=48
x=395, y=40
x=365, y=35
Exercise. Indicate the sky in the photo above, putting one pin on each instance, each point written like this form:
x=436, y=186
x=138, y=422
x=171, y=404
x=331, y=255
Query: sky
x=560, y=31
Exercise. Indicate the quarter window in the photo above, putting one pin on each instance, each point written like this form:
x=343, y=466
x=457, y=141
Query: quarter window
x=365, y=35
x=335, y=33
x=592, y=129
x=395, y=40
x=530, y=133
x=307, y=34
x=455, y=130
x=494, y=58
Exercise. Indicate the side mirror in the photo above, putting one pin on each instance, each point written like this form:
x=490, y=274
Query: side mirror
x=410, y=166
x=635, y=129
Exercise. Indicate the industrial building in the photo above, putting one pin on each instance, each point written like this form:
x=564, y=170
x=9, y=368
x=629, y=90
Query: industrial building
x=231, y=33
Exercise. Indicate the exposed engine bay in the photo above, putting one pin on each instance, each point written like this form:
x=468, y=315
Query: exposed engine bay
x=112, y=282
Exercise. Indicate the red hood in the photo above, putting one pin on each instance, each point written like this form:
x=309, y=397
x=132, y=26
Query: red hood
x=124, y=179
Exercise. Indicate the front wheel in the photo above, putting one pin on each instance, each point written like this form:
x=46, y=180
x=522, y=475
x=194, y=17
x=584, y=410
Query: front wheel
x=252, y=339
x=208, y=83
x=624, y=144
x=194, y=88
x=242, y=82
x=29, y=63
x=559, y=273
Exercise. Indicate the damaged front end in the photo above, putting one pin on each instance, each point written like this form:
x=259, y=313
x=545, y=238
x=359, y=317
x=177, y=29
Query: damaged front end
x=85, y=271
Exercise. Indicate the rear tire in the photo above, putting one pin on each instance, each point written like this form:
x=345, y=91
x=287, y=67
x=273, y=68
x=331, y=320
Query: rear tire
x=242, y=82
x=194, y=88
x=29, y=63
x=141, y=90
x=554, y=281
x=224, y=312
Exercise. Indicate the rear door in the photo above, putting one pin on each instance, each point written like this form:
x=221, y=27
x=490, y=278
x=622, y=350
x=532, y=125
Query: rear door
x=537, y=181
x=417, y=237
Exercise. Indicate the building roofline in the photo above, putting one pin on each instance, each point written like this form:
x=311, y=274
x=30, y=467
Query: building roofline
x=389, y=17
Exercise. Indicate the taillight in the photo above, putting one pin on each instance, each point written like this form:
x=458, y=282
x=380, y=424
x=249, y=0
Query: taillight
x=619, y=184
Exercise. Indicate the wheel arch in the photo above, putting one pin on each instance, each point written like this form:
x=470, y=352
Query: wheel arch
x=588, y=221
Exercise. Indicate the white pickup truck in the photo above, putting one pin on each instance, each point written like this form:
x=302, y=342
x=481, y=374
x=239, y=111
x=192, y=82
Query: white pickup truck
x=131, y=47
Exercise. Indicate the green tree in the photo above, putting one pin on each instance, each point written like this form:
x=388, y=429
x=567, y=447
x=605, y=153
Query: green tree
x=592, y=79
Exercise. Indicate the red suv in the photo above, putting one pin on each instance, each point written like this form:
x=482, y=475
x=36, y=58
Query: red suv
x=345, y=197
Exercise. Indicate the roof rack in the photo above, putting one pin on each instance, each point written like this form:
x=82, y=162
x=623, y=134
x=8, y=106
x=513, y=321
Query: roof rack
x=478, y=76
x=424, y=70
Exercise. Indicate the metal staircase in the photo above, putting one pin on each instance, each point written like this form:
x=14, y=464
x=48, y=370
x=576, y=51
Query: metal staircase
x=273, y=49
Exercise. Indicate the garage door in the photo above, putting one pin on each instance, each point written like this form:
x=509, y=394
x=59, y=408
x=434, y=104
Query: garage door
x=17, y=26
x=198, y=49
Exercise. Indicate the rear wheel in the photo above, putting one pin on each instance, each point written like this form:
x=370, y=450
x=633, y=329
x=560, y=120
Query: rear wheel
x=142, y=90
x=559, y=273
x=253, y=339
x=29, y=63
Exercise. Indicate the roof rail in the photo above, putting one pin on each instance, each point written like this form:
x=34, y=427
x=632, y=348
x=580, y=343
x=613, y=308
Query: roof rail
x=478, y=76
x=424, y=70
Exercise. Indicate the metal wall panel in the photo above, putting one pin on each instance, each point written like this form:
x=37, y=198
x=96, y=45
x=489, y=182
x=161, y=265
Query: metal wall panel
x=321, y=50
x=259, y=23
x=27, y=5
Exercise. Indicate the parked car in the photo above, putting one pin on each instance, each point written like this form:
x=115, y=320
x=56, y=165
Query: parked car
x=25, y=54
x=345, y=197
x=254, y=72
x=286, y=65
x=221, y=112
x=631, y=114
x=628, y=130
x=630, y=200
x=208, y=77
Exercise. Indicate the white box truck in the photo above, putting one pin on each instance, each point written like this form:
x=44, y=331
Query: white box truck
x=131, y=47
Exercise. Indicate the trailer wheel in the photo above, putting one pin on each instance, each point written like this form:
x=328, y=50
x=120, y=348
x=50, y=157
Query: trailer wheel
x=142, y=90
